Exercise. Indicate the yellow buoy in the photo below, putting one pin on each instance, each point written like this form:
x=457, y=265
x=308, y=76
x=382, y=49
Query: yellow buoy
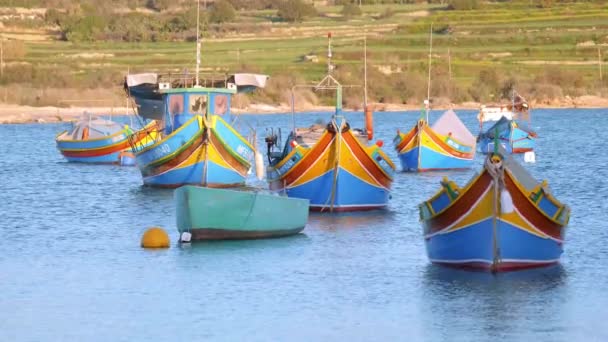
x=155, y=237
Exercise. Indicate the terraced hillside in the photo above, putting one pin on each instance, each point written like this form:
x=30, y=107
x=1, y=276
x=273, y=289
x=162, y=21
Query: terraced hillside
x=551, y=53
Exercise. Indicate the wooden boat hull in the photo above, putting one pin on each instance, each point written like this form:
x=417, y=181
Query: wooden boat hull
x=218, y=214
x=422, y=149
x=512, y=138
x=107, y=150
x=337, y=173
x=481, y=227
x=210, y=154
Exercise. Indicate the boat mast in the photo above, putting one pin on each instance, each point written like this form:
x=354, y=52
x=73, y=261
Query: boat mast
x=329, y=53
x=198, y=42
x=428, y=88
x=365, y=71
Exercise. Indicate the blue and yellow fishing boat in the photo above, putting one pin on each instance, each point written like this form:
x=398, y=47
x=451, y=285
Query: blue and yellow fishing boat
x=331, y=165
x=448, y=144
x=197, y=144
x=510, y=128
x=513, y=135
x=502, y=220
x=335, y=172
x=100, y=141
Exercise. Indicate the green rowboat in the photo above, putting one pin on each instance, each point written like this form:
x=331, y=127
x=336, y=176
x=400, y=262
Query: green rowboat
x=217, y=214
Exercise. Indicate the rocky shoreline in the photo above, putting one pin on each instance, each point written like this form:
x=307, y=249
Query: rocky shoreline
x=16, y=114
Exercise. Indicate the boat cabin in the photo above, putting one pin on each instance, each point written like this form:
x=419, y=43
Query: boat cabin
x=182, y=104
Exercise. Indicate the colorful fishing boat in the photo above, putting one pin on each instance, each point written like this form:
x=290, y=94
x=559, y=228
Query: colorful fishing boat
x=502, y=220
x=518, y=109
x=100, y=141
x=201, y=214
x=197, y=145
x=331, y=165
x=514, y=136
x=510, y=124
x=447, y=144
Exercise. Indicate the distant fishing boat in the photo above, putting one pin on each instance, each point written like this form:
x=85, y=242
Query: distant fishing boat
x=502, y=220
x=517, y=109
x=202, y=214
x=513, y=136
x=447, y=144
x=510, y=123
x=100, y=141
x=331, y=165
x=197, y=143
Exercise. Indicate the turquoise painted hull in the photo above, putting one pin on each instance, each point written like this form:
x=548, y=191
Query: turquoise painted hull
x=217, y=214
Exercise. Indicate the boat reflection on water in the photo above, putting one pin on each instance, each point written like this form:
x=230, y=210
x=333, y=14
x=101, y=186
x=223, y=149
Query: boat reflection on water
x=220, y=247
x=350, y=220
x=475, y=303
x=543, y=277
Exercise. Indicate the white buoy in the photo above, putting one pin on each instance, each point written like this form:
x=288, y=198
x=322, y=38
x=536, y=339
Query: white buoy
x=259, y=165
x=185, y=237
x=530, y=157
x=506, y=202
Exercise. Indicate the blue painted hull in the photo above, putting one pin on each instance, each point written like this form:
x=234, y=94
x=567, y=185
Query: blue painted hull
x=515, y=141
x=186, y=145
x=424, y=159
x=473, y=247
x=193, y=174
x=351, y=193
x=112, y=158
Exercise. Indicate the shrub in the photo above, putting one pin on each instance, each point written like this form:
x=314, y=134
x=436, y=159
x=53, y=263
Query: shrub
x=221, y=12
x=351, y=10
x=487, y=86
x=388, y=12
x=295, y=10
x=463, y=5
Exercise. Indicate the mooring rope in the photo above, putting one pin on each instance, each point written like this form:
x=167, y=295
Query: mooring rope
x=495, y=167
x=338, y=141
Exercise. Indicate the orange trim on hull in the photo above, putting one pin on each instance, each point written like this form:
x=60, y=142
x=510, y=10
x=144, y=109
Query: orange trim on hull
x=462, y=204
x=406, y=140
x=366, y=160
x=449, y=149
x=309, y=159
x=98, y=152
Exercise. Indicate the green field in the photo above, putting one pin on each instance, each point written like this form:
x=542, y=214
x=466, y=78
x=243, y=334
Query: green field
x=546, y=52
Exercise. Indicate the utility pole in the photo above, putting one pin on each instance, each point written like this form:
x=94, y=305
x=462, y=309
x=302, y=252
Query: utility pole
x=198, y=41
x=1, y=57
x=365, y=70
x=599, y=61
x=449, y=65
x=428, y=89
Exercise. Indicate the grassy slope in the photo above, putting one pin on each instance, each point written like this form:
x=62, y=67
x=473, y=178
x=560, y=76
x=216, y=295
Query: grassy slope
x=502, y=36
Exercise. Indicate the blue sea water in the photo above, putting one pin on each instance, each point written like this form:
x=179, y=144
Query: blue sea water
x=71, y=268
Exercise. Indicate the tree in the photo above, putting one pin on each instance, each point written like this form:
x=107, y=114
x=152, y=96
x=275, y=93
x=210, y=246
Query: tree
x=462, y=5
x=295, y=10
x=351, y=10
x=221, y=12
